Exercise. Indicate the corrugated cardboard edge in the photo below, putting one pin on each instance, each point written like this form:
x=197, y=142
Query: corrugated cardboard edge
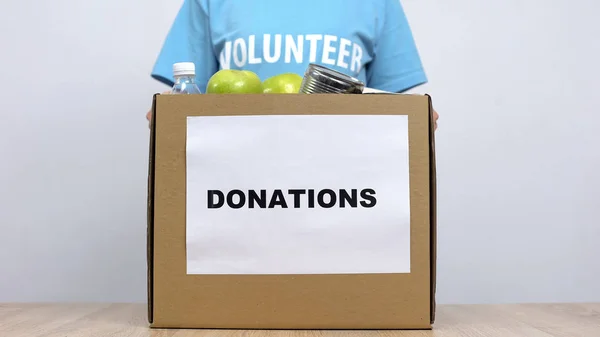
x=432, y=199
x=432, y=207
x=150, y=214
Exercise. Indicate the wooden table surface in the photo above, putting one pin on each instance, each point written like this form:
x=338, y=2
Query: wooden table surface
x=527, y=320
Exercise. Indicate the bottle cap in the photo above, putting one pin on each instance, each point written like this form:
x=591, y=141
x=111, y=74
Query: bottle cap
x=184, y=68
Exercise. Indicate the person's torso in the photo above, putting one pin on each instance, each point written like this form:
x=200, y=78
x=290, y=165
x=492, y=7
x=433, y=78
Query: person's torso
x=271, y=37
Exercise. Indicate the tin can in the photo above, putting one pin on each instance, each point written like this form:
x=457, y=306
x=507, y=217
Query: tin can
x=322, y=80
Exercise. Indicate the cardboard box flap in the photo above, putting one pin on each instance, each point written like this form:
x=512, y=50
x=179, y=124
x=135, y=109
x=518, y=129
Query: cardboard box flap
x=150, y=214
x=432, y=207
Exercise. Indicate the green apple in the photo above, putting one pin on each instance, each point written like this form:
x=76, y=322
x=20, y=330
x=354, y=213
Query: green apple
x=233, y=81
x=287, y=83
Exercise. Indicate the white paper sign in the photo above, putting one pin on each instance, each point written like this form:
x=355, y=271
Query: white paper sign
x=313, y=194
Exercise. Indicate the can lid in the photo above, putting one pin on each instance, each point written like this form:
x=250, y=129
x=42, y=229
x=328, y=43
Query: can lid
x=184, y=68
x=320, y=79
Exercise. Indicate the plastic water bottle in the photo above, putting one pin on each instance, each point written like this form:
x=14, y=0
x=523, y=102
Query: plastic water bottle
x=185, y=79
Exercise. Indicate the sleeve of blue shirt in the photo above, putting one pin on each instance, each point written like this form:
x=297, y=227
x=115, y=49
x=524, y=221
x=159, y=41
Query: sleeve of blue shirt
x=188, y=40
x=396, y=66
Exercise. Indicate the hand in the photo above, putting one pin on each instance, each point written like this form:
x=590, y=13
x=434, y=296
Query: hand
x=435, y=118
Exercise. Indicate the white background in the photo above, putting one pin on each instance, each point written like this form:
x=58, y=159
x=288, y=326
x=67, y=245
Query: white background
x=515, y=82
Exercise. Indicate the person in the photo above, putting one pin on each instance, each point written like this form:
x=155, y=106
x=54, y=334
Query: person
x=368, y=39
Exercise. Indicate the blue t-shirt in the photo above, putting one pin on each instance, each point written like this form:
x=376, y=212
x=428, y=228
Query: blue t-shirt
x=367, y=39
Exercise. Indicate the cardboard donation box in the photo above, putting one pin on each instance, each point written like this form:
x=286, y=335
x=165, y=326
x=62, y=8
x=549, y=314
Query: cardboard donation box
x=291, y=212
